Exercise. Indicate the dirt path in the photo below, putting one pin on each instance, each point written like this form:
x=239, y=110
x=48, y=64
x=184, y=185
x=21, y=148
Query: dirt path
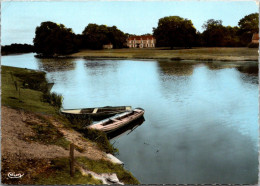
x=14, y=132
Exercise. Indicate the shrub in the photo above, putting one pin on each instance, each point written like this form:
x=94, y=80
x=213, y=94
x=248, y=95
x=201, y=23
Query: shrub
x=253, y=45
x=52, y=98
x=101, y=139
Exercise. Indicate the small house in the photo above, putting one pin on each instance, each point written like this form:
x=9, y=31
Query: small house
x=108, y=46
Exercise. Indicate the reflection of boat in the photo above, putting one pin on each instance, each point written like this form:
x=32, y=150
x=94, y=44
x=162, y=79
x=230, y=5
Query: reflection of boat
x=127, y=129
x=95, y=113
x=116, y=122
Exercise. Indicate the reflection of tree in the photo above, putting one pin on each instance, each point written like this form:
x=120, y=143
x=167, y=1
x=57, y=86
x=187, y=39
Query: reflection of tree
x=97, y=64
x=56, y=64
x=249, y=69
x=249, y=73
x=176, y=68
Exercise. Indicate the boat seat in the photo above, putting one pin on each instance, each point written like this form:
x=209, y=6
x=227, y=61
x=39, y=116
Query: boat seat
x=114, y=119
x=95, y=110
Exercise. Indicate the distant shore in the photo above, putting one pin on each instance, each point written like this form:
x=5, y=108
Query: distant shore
x=202, y=54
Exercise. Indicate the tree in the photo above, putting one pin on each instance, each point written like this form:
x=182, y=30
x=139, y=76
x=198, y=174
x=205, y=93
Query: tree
x=51, y=38
x=214, y=33
x=248, y=25
x=95, y=36
x=116, y=37
x=174, y=31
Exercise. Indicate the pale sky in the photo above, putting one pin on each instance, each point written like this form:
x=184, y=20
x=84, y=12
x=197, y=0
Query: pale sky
x=19, y=19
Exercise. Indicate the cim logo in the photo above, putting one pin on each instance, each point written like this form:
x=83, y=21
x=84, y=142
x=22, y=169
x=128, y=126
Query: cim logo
x=13, y=175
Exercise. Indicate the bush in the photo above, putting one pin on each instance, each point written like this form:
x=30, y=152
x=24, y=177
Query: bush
x=52, y=98
x=101, y=139
x=253, y=45
x=79, y=122
x=33, y=80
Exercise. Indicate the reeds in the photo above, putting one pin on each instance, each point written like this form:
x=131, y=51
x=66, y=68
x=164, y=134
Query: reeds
x=53, y=98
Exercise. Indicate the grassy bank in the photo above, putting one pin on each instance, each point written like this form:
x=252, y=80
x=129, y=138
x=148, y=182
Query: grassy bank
x=211, y=54
x=24, y=89
x=27, y=92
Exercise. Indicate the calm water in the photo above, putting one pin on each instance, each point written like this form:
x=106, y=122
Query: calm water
x=201, y=120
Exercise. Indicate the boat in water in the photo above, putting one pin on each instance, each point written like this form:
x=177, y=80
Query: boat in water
x=126, y=129
x=113, y=123
x=96, y=113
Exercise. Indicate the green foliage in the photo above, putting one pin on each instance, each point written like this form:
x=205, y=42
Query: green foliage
x=32, y=79
x=175, y=31
x=51, y=38
x=16, y=48
x=215, y=34
x=253, y=45
x=103, y=166
x=53, y=98
x=248, y=25
x=59, y=174
x=78, y=122
x=31, y=85
x=100, y=138
x=95, y=36
x=46, y=133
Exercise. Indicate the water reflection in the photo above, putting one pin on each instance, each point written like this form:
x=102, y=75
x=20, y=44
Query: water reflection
x=178, y=68
x=126, y=130
x=56, y=65
x=249, y=69
x=201, y=119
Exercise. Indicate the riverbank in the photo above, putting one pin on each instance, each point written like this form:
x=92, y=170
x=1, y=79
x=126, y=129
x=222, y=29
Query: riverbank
x=201, y=54
x=36, y=139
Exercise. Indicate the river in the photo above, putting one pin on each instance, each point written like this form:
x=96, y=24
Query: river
x=201, y=119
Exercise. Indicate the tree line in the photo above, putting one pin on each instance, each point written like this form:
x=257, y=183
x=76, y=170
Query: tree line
x=172, y=31
x=175, y=31
x=51, y=38
x=16, y=48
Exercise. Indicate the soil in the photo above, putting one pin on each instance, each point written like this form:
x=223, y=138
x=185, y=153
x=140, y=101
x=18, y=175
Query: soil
x=15, y=129
x=30, y=158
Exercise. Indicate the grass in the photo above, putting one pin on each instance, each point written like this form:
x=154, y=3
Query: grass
x=47, y=134
x=101, y=139
x=29, y=92
x=59, y=174
x=102, y=166
x=214, y=53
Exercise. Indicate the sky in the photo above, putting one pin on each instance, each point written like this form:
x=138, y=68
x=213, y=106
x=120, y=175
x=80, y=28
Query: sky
x=19, y=19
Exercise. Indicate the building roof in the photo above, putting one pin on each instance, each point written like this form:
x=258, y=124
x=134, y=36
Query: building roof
x=255, y=36
x=140, y=37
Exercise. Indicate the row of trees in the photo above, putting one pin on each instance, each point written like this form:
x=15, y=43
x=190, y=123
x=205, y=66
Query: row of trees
x=51, y=38
x=16, y=48
x=173, y=31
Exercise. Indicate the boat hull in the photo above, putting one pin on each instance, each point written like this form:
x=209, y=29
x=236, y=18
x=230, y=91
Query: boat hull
x=96, y=114
x=117, y=122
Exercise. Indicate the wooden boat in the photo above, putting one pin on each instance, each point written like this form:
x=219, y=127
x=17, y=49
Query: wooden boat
x=118, y=121
x=96, y=113
x=126, y=129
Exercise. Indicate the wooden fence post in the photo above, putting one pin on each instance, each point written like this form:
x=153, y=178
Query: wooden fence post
x=72, y=161
x=15, y=84
x=20, y=95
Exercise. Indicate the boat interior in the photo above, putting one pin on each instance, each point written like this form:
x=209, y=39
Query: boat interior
x=113, y=120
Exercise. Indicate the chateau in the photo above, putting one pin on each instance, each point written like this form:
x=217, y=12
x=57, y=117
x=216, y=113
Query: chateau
x=141, y=42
